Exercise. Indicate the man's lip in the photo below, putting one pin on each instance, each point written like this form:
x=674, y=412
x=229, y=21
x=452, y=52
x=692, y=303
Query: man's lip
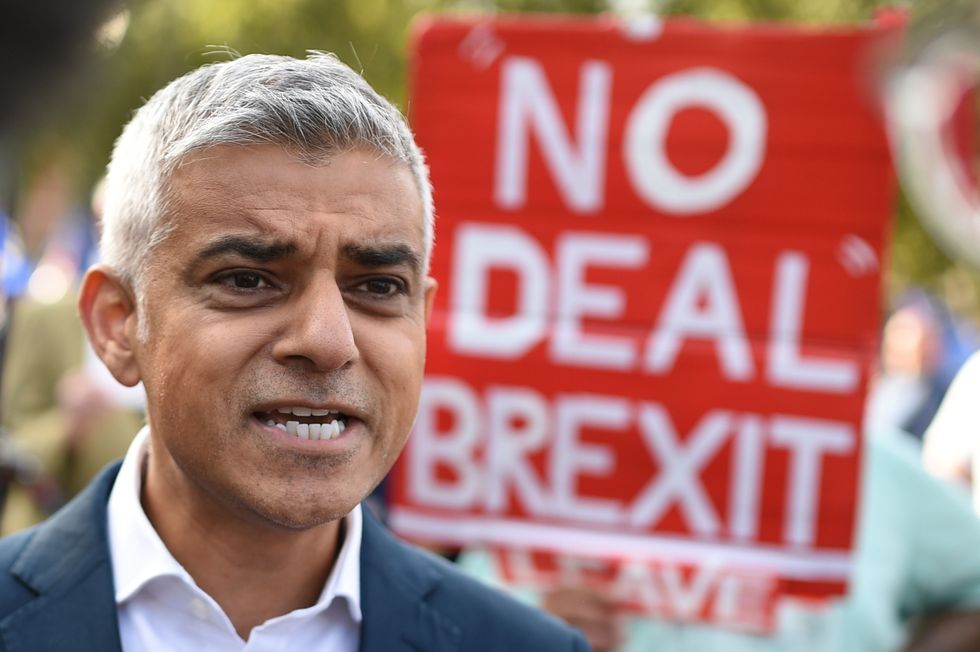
x=351, y=432
x=345, y=409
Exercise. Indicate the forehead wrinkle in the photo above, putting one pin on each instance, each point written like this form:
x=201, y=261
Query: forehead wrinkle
x=225, y=202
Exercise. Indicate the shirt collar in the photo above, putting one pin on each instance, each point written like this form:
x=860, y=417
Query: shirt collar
x=139, y=556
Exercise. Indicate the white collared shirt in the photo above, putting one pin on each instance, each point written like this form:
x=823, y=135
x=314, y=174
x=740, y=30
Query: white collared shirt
x=160, y=606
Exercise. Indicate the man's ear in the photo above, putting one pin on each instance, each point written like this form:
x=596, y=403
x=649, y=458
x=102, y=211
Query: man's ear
x=108, y=309
x=431, y=285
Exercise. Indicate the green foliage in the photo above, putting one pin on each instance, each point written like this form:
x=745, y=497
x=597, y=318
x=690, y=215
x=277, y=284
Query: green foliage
x=166, y=38
x=915, y=257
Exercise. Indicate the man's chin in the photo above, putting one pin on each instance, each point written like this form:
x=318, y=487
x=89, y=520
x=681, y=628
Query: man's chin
x=301, y=522
x=296, y=515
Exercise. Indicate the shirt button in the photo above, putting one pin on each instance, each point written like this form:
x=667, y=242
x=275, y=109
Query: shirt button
x=200, y=608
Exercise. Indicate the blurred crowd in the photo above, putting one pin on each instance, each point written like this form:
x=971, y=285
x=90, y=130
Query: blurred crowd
x=63, y=414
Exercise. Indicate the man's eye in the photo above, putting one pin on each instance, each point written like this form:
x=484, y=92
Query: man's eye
x=383, y=286
x=243, y=280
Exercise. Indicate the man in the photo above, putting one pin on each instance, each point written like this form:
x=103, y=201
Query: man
x=267, y=229
x=950, y=449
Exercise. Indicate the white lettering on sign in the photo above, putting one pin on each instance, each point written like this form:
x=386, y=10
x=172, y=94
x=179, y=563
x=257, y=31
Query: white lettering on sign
x=528, y=107
x=743, y=500
x=704, y=275
x=455, y=447
x=744, y=599
x=702, y=303
x=691, y=596
x=787, y=366
x=518, y=419
x=479, y=249
x=680, y=468
x=577, y=299
x=570, y=456
x=656, y=179
x=488, y=444
x=808, y=440
x=635, y=583
x=658, y=588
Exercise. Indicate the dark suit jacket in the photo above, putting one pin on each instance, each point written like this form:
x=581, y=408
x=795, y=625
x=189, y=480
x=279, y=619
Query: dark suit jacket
x=56, y=593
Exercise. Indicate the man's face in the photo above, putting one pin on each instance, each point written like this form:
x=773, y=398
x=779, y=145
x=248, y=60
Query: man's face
x=286, y=293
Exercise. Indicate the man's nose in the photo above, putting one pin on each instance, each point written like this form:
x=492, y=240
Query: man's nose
x=318, y=332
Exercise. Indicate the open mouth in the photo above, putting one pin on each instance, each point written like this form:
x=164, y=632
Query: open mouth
x=306, y=423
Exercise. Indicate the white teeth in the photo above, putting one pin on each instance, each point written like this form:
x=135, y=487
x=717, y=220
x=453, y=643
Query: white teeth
x=311, y=431
x=305, y=411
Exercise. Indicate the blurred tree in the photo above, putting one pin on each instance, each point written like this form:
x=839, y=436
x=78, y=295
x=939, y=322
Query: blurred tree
x=166, y=38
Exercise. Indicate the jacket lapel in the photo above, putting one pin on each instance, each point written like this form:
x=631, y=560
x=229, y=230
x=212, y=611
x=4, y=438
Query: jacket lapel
x=66, y=564
x=394, y=589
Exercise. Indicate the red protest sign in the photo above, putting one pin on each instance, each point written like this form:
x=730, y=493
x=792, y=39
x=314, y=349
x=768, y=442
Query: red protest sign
x=660, y=258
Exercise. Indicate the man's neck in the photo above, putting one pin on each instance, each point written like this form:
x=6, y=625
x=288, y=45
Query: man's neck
x=235, y=559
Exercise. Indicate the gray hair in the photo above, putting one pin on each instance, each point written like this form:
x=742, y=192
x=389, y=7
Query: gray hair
x=315, y=107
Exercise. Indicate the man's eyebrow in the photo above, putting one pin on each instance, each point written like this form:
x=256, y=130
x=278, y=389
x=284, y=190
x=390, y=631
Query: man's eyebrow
x=383, y=255
x=250, y=248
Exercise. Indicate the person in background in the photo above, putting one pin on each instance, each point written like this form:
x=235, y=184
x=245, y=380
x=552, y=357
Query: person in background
x=952, y=441
x=57, y=401
x=922, y=347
